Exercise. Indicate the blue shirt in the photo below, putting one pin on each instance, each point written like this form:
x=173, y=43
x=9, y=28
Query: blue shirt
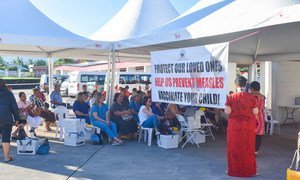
x=135, y=107
x=55, y=96
x=101, y=111
x=83, y=108
x=157, y=111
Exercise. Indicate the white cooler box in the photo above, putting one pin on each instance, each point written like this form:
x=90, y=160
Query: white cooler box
x=73, y=125
x=168, y=141
x=27, y=146
x=193, y=123
x=199, y=137
x=74, y=139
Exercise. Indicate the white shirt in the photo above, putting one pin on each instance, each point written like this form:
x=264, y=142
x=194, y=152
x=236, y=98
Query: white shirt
x=142, y=115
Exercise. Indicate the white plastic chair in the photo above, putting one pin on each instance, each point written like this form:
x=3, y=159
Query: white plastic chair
x=61, y=112
x=146, y=131
x=185, y=128
x=96, y=129
x=271, y=123
x=206, y=127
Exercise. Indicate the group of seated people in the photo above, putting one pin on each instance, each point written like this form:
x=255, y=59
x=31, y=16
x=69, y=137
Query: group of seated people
x=36, y=109
x=127, y=112
x=120, y=121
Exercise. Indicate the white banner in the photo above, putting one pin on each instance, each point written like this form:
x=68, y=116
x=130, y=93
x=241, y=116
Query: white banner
x=191, y=76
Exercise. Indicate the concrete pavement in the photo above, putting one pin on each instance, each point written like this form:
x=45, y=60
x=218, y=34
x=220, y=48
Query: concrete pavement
x=138, y=161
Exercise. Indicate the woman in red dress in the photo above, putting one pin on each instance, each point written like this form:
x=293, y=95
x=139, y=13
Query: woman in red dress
x=242, y=107
x=260, y=121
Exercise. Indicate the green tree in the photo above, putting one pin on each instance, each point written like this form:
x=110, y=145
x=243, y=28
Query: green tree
x=62, y=61
x=2, y=62
x=18, y=61
x=40, y=62
x=30, y=61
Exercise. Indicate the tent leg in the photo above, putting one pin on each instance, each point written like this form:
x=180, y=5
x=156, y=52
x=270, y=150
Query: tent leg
x=113, y=74
x=50, y=74
x=108, y=79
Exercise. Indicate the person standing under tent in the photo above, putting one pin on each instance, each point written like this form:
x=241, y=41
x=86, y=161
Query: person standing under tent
x=84, y=89
x=260, y=124
x=242, y=107
x=9, y=115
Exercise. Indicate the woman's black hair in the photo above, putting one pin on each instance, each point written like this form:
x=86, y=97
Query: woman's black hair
x=21, y=94
x=95, y=91
x=145, y=99
x=98, y=97
x=2, y=84
x=240, y=81
x=116, y=96
x=255, y=86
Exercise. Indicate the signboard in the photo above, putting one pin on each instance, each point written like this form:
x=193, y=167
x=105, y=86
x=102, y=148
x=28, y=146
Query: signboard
x=190, y=76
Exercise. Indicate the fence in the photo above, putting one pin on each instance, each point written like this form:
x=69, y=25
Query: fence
x=14, y=73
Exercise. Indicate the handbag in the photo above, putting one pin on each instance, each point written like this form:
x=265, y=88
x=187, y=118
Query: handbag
x=22, y=134
x=23, y=117
x=127, y=117
x=44, y=148
x=293, y=172
x=97, y=139
x=35, y=112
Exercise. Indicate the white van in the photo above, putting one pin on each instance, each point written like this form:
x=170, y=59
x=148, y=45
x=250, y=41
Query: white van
x=93, y=80
x=136, y=80
x=44, y=81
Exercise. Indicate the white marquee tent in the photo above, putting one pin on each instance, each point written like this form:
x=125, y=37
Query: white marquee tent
x=255, y=30
x=25, y=31
x=136, y=18
x=265, y=30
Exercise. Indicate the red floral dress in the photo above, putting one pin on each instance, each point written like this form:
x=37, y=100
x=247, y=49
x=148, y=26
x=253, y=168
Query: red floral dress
x=260, y=123
x=241, y=135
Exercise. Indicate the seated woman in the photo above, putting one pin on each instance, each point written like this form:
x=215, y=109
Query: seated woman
x=81, y=108
x=41, y=110
x=121, y=115
x=213, y=114
x=135, y=106
x=172, y=110
x=99, y=118
x=25, y=107
x=157, y=109
x=147, y=118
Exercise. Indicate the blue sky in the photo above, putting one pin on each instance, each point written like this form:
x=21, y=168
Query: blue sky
x=84, y=17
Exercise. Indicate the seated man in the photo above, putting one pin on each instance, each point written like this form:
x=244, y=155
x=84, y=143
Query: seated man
x=56, y=98
x=81, y=108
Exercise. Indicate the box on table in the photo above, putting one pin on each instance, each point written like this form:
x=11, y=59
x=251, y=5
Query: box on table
x=74, y=139
x=199, y=137
x=73, y=125
x=193, y=123
x=27, y=146
x=168, y=141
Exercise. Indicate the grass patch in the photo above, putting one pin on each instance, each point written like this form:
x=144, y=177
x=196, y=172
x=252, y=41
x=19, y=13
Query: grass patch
x=16, y=78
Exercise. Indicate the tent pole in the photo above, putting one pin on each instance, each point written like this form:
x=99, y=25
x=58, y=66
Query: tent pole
x=50, y=73
x=113, y=74
x=108, y=80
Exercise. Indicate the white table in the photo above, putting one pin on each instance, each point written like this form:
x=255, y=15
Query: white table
x=290, y=109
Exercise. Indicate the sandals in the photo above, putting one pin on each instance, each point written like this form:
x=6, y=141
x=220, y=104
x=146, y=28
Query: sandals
x=9, y=160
